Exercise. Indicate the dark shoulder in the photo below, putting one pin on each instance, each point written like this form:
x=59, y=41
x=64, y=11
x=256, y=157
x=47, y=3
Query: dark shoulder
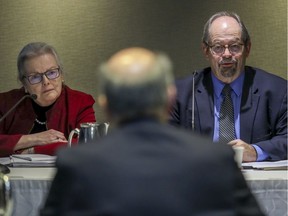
x=184, y=82
x=123, y=143
x=184, y=85
x=266, y=84
x=265, y=77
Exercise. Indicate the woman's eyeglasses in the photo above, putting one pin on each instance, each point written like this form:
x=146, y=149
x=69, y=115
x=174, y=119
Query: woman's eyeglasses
x=38, y=77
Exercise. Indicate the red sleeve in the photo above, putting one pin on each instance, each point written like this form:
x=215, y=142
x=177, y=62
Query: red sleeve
x=7, y=144
x=49, y=149
x=84, y=111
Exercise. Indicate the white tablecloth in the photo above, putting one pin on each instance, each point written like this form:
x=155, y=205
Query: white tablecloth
x=30, y=187
x=270, y=189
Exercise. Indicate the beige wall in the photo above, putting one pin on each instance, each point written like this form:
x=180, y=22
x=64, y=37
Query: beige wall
x=86, y=32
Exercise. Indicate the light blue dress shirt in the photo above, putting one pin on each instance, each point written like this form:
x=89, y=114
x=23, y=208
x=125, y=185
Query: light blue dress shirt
x=236, y=94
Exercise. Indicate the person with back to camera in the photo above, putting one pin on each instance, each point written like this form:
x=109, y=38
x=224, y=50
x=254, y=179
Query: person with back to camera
x=145, y=166
x=41, y=125
x=258, y=119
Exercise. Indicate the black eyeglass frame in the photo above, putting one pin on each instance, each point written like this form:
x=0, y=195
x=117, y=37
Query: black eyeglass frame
x=42, y=74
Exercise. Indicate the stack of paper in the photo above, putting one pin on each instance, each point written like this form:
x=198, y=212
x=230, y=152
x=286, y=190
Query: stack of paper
x=274, y=165
x=29, y=160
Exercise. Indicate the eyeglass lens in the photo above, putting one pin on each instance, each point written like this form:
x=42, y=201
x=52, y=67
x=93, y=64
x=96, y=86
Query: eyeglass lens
x=233, y=49
x=38, y=77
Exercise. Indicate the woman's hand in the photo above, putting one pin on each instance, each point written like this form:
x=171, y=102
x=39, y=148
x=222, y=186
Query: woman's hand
x=45, y=137
x=42, y=138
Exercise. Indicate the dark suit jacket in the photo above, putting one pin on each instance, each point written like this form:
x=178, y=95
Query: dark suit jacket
x=146, y=169
x=263, y=112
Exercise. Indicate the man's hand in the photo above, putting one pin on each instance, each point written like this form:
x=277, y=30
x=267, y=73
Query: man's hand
x=249, y=154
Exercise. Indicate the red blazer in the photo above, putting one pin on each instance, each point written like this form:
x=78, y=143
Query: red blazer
x=71, y=108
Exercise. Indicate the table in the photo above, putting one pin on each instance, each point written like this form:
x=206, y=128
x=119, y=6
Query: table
x=270, y=189
x=30, y=187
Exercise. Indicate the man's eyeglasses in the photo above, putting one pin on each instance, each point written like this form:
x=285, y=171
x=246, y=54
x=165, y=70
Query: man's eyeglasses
x=218, y=49
x=38, y=77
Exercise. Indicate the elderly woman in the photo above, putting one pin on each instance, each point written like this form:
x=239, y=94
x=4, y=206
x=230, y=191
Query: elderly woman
x=43, y=124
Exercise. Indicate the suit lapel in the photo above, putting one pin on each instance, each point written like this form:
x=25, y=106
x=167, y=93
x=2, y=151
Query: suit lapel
x=249, y=105
x=204, y=104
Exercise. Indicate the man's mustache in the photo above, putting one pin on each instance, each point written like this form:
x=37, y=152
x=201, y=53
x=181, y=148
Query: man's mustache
x=228, y=61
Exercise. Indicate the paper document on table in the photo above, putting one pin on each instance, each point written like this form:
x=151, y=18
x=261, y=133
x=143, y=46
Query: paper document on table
x=32, y=160
x=267, y=165
x=5, y=160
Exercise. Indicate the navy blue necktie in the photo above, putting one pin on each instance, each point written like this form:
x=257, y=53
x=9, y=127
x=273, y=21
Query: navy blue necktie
x=226, y=118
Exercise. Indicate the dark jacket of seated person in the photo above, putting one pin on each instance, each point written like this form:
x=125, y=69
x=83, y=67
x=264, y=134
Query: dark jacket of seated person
x=145, y=167
x=234, y=103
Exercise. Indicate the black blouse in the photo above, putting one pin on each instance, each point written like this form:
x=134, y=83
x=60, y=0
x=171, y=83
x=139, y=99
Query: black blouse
x=40, y=123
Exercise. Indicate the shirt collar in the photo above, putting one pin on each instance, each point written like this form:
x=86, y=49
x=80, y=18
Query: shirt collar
x=236, y=85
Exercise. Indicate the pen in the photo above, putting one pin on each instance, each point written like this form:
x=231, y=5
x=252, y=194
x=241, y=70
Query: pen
x=22, y=157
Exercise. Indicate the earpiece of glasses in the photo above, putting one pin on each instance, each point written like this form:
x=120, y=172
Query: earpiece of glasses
x=218, y=49
x=38, y=77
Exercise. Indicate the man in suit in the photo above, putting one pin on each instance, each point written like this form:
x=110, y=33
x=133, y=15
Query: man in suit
x=144, y=166
x=259, y=98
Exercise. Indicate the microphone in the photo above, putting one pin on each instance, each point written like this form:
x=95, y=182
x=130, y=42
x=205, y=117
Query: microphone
x=33, y=96
x=193, y=99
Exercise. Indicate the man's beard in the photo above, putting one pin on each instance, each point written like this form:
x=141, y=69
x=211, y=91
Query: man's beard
x=229, y=71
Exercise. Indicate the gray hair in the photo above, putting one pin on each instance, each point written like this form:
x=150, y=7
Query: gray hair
x=140, y=97
x=32, y=50
x=206, y=34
